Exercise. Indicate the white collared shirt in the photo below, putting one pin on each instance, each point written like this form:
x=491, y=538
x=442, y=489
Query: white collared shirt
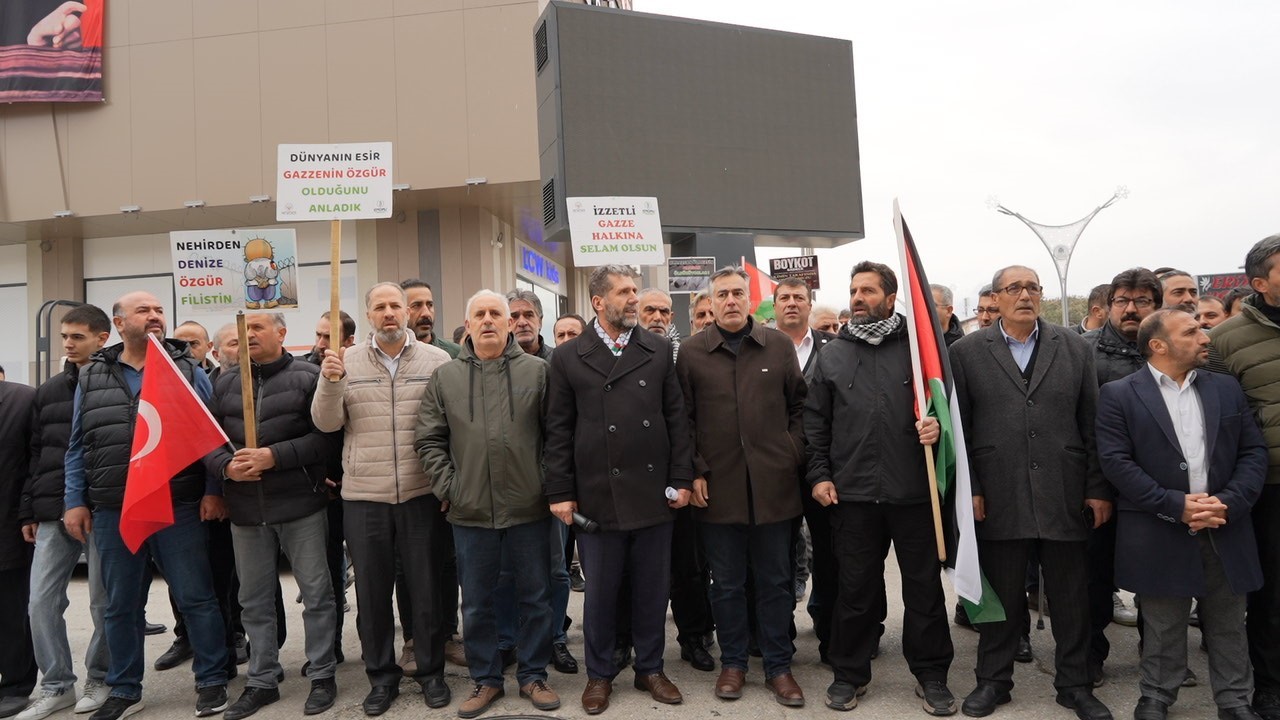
x=804, y=349
x=389, y=362
x=1188, y=424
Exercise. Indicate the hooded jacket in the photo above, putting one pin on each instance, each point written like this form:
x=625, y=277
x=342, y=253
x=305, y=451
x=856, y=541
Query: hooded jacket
x=480, y=436
x=1247, y=345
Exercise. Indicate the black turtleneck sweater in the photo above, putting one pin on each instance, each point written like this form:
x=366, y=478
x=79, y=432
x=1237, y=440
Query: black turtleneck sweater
x=734, y=339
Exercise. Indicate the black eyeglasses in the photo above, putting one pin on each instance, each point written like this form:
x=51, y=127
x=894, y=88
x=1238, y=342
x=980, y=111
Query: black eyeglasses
x=1140, y=303
x=1015, y=290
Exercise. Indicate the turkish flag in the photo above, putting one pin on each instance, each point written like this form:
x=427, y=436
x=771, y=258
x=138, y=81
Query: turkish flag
x=173, y=430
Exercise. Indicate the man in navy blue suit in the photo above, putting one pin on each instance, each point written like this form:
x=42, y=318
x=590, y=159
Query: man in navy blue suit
x=1182, y=448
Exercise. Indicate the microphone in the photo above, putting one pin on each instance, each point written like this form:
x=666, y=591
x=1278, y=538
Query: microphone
x=585, y=524
x=672, y=493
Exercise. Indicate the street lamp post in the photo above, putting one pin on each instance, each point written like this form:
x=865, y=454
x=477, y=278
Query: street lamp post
x=1060, y=240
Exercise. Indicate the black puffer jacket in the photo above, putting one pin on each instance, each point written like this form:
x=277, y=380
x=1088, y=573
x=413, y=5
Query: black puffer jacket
x=295, y=487
x=50, y=433
x=860, y=423
x=107, y=413
x=1114, y=356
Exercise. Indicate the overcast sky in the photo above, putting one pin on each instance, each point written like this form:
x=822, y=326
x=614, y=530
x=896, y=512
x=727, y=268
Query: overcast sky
x=1049, y=108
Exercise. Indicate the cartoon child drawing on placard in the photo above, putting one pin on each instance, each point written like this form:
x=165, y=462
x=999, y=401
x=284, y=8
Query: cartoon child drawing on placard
x=261, y=276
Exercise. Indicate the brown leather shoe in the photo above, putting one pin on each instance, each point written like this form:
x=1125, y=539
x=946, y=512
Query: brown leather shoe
x=478, y=701
x=595, y=699
x=659, y=688
x=785, y=690
x=542, y=697
x=729, y=684
x=455, y=652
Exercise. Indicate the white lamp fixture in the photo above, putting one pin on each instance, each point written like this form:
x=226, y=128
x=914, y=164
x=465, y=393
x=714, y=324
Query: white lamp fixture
x=193, y=203
x=259, y=198
x=398, y=187
x=62, y=213
x=476, y=180
x=130, y=208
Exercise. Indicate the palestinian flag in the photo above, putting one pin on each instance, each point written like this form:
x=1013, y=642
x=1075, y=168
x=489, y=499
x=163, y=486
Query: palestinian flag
x=760, y=287
x=935, y=397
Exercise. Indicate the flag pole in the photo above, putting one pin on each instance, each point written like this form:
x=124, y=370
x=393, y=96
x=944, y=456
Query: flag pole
x=246, y=384
x=335, y=286
x=917, y=377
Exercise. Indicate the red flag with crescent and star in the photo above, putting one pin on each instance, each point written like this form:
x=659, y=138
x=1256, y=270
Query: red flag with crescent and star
x=173, y=430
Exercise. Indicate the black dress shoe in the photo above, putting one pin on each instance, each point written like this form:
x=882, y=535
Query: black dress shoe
x=251, y=701
x=322, y=696
x=1241, y=712
x=379, y=699
x=562, y=660
x=1150, y=708
x=1024, y=654
x=697, y=656
x=1087, y=706
x=983, y=700
x=179, y=652
x=1267, y=705
x=621, y=656
x=435, y=692
x=154, y=629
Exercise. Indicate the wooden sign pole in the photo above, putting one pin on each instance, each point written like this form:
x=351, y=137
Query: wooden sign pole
x=335, y=286
x=246, y=384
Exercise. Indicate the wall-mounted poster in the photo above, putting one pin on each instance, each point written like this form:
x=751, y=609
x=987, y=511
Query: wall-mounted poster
x=51, y=50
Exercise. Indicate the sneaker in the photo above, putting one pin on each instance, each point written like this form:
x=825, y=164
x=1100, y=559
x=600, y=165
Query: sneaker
x=577, y=583
x=93, y=696
x=1122, y=614
x=937, y=698
x=211, y=700
x=49, y=702
x=542, y=697
x=116, y=708
x=251, y=701
x=844, y=696
x=479, y=700
x=801, y=587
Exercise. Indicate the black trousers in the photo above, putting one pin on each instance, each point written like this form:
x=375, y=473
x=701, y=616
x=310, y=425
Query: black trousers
x=1263, y=619
x=690, y=582
x=336, y=557
x=1102, y=584
x=824, y=576
x=605, y=556
x=17, y=659
x=447, y=560
x=862, y=533
x=1066, y=575
x=378, y=534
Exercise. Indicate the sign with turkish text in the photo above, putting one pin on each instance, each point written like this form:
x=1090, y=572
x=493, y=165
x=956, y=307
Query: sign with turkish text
x=688, y=275
x=348, y=181
x=804, y=267
x=1221, y=284
x=615, y=231
x=221, y=271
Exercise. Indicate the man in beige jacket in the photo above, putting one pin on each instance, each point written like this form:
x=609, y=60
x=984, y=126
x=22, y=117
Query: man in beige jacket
x=372, y=390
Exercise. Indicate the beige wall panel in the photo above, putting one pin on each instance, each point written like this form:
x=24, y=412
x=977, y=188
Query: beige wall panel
x=417, y=7
x=341, y=11
x=100, y=145
x=152, y=21
x=281, y=14
x=128, y=255
x=469, y=4
x=451, y=247
x=224, y=17
x=501, y=112
x=116, y=32
x=362, y=89
x=229, y=160
x=164, y=124
x=431, y=149
x=295, y=95
x=13, y=264
x=31, y=179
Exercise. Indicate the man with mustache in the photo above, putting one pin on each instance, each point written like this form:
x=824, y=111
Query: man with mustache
x=1133, y=296
x=700, y=313
x=1027, y=391
x=526, y=310
x=372, y=391
x=97, y=464
x=655, y=316
x=422, y=315
x=823, y=319
x=988, y=309
x=1179, y=289
x=617, y=440
x=943, y=300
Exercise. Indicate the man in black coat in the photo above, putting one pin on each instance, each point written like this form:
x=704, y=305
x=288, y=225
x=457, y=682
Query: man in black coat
x=85, y=330
x=617, y=440
x=1027, y=395
x=17, y=663
x=276, y=498
x=1184, y=450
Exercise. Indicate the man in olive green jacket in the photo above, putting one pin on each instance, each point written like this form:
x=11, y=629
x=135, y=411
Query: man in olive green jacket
x=479, y=436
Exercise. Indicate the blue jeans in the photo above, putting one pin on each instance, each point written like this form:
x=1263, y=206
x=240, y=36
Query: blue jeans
x=182, y=553
x=765, y=551
x=480, y=558
x=509, y=616
x=56, y=556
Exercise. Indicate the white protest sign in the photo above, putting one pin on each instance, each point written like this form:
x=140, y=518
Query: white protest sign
x=223, y=271
x=615, y=231
x=348, y=181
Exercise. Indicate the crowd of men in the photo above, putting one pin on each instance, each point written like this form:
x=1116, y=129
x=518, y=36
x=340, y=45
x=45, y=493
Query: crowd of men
x=716, y=474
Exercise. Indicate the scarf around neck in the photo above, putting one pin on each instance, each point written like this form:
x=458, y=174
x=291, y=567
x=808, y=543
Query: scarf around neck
x=875, y=333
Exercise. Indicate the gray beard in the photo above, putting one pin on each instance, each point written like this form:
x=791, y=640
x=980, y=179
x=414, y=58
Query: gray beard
x=389, y=337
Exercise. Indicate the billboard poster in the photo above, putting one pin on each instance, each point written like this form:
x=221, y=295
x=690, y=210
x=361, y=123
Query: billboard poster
x=1221, y=284
x=615, y=231
x=804, y=268
x=345, y=181
x=51, y=51
x=224, y=271
x=688, y=275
